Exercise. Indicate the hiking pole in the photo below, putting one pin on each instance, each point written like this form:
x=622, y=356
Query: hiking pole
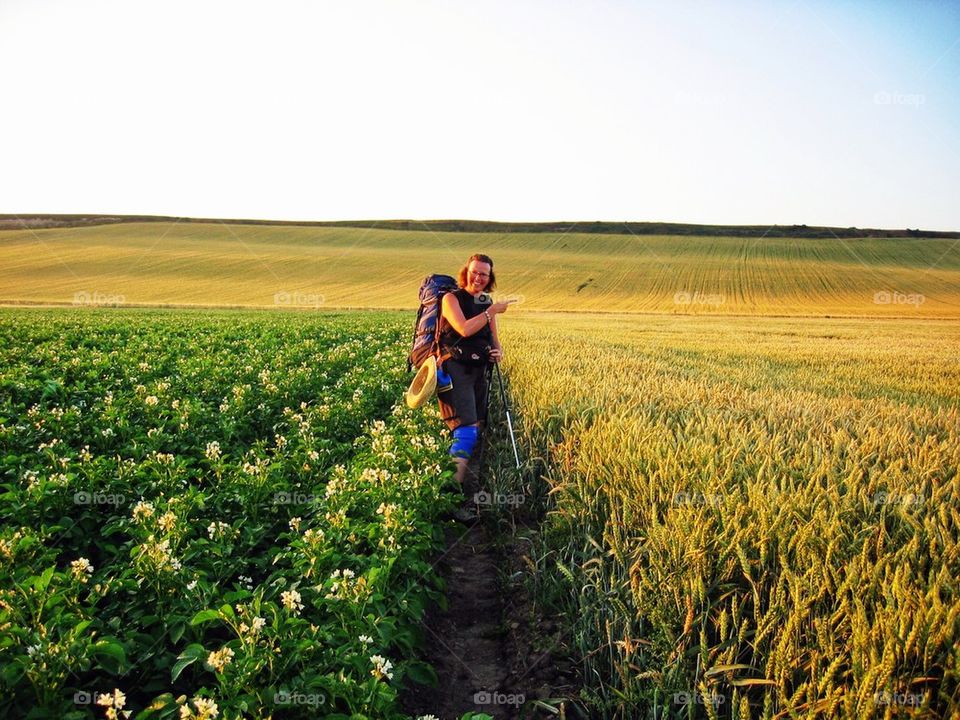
x=506, y=409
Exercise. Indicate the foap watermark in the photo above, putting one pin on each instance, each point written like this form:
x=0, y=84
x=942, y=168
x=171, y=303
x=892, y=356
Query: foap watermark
x=698, y=298
x=697, y=698
x=488, y=299
x=485, y=498
x=888, y=498
x=697, y=498
x=294, y=498
x=298, y=299
x=492, y=697
x=88, y=697
x=85, y=297
x=885, y=97
x=892, y=297
x=97, y=498
x=904, y=699
x=313, y=700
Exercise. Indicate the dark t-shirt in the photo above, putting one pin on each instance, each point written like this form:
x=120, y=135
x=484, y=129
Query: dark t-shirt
x=473, y=349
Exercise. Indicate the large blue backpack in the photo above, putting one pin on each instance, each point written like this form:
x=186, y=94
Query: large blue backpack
x=425, y=338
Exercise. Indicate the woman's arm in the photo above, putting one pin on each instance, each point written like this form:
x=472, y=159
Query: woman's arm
x=454, y=315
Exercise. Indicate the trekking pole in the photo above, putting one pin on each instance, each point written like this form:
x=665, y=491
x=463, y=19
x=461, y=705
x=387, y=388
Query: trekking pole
x=506, y=409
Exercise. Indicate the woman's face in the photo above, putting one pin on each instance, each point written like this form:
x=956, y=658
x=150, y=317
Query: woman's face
x=478, y=276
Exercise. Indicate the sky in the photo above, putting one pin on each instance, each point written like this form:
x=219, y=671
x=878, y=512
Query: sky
x=796, y=112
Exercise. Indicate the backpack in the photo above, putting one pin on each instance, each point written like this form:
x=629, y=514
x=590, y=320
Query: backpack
x=425, y=338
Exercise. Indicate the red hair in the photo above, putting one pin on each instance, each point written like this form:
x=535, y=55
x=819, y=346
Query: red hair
x=491, y=281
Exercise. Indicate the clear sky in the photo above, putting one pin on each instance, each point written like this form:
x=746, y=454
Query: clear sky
x=836, y=113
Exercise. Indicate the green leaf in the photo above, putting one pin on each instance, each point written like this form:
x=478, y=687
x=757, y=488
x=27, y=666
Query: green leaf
x=176, y=632
x=12, y=672
x=162, y=706
x=40, y=582
x=717, y=669
x=179, y=666
x=194, y=650
x=422, y=673
x=205, y=616
x=190, y=655
x=741, y=682
x=53, y=600
x=111, y=654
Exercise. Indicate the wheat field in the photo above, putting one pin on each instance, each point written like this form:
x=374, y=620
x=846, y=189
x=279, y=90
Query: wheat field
x=748, y=517
x=171, y=263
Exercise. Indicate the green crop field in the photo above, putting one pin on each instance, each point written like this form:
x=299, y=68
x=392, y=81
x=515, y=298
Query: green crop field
x=230, y=514
x=308, y=267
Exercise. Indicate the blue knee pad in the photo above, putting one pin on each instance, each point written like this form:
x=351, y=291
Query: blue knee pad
x=464, y=440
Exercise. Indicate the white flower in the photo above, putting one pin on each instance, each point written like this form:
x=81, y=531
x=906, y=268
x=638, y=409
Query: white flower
x=313, y=536
x=113, y=702
x=220, y=659
x=382, y=668
x=151, y=400
x=115, y=699
x=167, y=521
x=213, y=450
x=206, y=709
x=81, y=568
x=218, y=529
x=333, y=487
x=291, y=601
x=142, y=510
x=376, y=476
x=366, y=640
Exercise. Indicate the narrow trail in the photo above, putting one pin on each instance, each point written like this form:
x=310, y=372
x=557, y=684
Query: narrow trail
x=482, y=645
x=466, y=642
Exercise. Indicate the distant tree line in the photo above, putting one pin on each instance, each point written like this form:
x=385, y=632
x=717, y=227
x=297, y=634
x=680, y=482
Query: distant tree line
x=13, y=222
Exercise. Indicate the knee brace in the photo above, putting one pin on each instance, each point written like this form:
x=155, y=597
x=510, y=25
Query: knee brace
x=464, y=440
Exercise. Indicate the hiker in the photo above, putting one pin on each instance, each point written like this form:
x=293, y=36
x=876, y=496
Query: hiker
x=469, y=342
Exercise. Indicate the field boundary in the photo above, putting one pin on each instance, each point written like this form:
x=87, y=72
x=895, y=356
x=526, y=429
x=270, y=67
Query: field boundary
x=412, y=309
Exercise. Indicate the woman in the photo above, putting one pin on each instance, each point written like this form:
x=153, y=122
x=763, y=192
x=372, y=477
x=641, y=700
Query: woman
x=468, y=341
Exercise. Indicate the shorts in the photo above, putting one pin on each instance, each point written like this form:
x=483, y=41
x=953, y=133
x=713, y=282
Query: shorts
x=466, y=402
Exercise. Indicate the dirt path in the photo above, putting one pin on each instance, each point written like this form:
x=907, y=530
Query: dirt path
x=491, y=648
x=466, y=642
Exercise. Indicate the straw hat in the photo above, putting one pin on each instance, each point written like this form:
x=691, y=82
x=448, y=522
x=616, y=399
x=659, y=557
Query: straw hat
x=424, y=384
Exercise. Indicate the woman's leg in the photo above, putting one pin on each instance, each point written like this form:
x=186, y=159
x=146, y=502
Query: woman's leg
x=465, y=439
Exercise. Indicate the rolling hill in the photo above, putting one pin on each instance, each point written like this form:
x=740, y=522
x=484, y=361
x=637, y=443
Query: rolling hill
x=309, y=266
